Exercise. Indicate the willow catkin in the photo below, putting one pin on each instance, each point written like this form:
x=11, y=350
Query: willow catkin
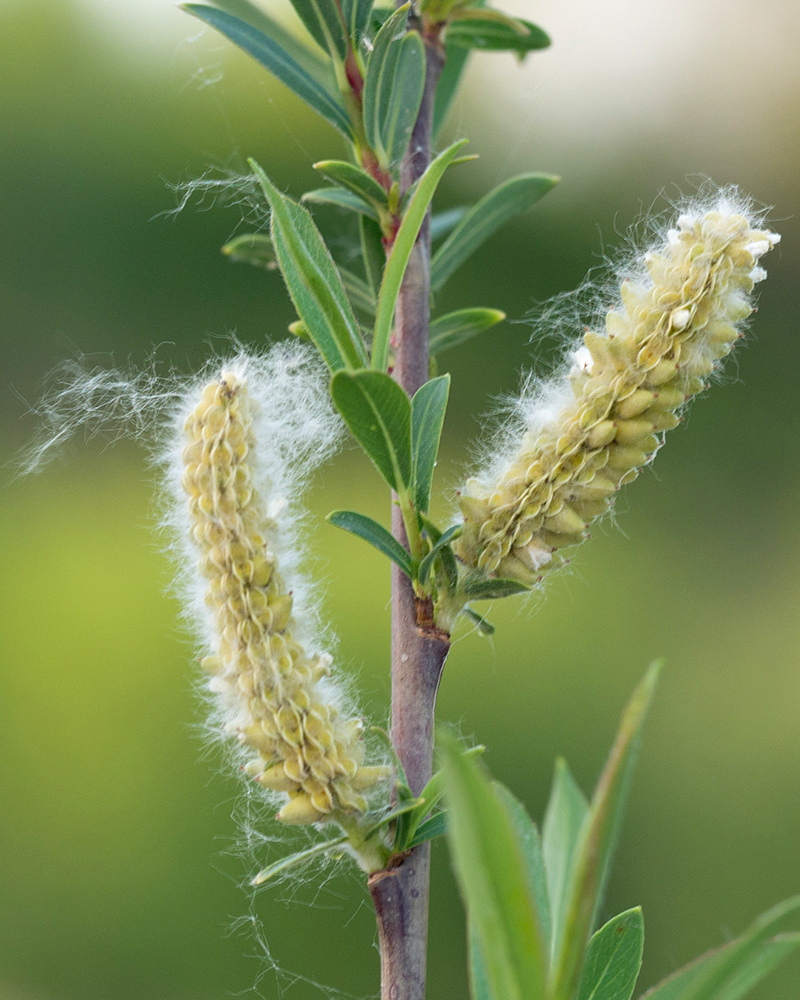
x=625, y=389
x=275, y=695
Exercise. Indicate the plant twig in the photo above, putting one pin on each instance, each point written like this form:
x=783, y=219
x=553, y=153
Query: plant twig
x=400, y=893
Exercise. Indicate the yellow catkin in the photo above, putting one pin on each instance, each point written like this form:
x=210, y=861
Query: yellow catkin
x=273, y=691
x=626, y=388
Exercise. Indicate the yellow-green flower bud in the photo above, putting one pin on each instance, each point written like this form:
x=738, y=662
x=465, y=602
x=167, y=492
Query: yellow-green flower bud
x=603, y=421
x=276, y=696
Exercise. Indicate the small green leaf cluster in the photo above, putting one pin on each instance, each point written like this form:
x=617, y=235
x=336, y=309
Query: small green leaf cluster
x=533, y=900
x=362, y=71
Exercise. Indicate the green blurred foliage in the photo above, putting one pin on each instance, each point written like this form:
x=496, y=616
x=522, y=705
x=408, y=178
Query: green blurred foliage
x=121, y=876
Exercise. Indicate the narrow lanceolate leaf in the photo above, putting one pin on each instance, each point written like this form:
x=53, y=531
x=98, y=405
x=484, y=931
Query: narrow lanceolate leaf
x=389, y=817
x=356, y=16
x=404, y=98
x=374, y=533
x=564, y=817
x=490, y=16
x=484, y=219
x=769, y=957
x=457, y=327
x=482, y=589
x=479, y=988
x=372, y=253
x=378, y=412
x=613, y=959
x=483, y=626
x=279, y=62
x=497, y=36
x=597, y=841
x=532, y=850
x=296, y=859
x=441, y=544
x=342, y=198
x=313, y=281
x=427, y=419
x=490, y=866
x=252, y=248
x=316, y=65
x=324, y=22
x=443, y=223
x=729, y=972
x=443, y=553
x=432, y=794
x=379, y=78
x=434, y=827
x=401, y=252
x=352, y=177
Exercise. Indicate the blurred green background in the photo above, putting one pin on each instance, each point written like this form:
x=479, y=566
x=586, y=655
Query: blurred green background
x=120, y=876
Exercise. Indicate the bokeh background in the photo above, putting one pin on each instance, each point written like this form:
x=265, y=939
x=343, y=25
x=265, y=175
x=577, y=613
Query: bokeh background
x=119, y=876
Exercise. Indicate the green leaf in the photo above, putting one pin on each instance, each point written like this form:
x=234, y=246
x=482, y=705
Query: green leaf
x=401, y=252
x=729, y=972
x=312, y=280
x=447, y=560
x=478, y=980
x=445, y=222
x=532, y=850
x=457, y=327
x=295, y=859
x=352, y=177
x=359, y=292
x=378, y=413
x=483, y=626
x=613, y=959
x=374, y=533
x=324, y=22
x=441, y=543
x=433, y=792
x=393, y=88
x=495, y=35
x=597, y=841
x=372, y=253
x=379, y=79
x=278, y=61
x=356, y=15
x=428, y=408
x=488, y=14
x=342, y=198
x=762, y=962
x=315, y=64
x=489, y=862
x=484, y=219
x=252, y=248
x=481, y=588
x=389, y=817
x=432, y=828
x=405, y=98
x=566, y=812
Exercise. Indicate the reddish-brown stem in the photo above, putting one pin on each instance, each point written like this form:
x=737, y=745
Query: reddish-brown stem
x=400, y=893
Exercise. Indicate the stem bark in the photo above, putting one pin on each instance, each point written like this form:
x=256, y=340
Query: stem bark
x=400, y=893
